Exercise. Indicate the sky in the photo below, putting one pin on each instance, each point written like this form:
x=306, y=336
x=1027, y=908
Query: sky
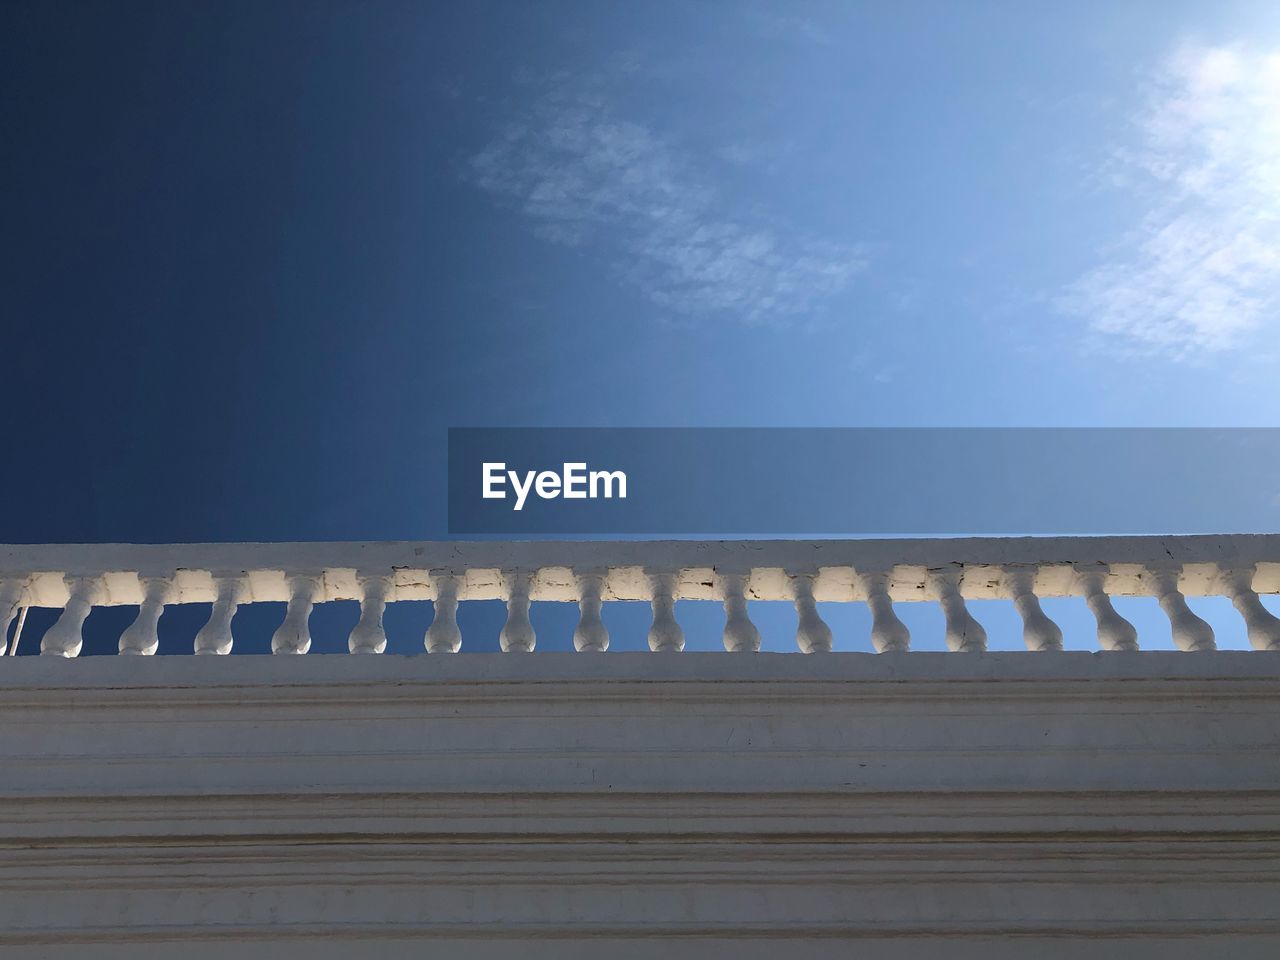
x=260, y=256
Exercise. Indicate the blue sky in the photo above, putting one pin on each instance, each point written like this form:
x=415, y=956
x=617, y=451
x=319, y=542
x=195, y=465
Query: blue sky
x=260, y=255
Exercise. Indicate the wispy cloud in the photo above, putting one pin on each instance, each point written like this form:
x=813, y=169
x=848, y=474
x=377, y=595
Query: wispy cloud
x=764, y=156
x=586, y=175
x=1201, y=273
x=795, y=28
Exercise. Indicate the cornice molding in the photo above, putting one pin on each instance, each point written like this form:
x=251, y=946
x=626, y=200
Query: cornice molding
x=495, y=804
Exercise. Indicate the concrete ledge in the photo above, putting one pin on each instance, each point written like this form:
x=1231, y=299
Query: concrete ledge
x=640, y=723
x=673, y=805
x=183, y=672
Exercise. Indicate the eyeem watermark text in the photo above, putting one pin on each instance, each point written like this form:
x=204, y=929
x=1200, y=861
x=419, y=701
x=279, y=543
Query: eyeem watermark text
x=573, y=482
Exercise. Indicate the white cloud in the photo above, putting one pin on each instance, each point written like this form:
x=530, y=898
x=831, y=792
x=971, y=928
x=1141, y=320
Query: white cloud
x=764, y=156
x=1201, y=273
x=801, y=29
x=585, y=175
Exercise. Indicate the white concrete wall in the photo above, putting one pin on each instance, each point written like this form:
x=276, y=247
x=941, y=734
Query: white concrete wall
x=637, y=805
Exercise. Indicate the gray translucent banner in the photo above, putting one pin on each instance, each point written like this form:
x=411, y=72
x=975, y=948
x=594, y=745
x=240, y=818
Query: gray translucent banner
x=862, y=481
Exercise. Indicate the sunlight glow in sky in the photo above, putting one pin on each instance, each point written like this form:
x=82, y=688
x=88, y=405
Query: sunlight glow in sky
x=1201, y=270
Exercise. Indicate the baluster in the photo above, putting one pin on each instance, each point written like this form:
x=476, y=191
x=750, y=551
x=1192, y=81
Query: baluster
x=888, y=633
x=142, y=636
x=214, y=638
x=64, y=638
x=444, y=635
x=17, y=631
x=369, y=635
x=1262, y=625
x=1115, y=633
x=964, y=633
x=590, y=634
x=517, y=634
x=1189, y=631
x=740, y=634
x=11, y=595
x=812, y=633
x=1039, y=633
x=665, y=634
x=294, y=634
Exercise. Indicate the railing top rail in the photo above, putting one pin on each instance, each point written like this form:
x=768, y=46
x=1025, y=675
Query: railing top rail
x=483, y=569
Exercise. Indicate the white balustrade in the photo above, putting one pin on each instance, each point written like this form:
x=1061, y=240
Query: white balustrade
x=888, y=633
x=740, y=634
x=1261, y=625
x=1190, y=632
x=12, y=593
x=444, y=635
x=142, y=636
x=665, y=634
x=215, y=636
x=294, y=634
x=590, y=634
x=805, y=574
x=64, y=638
x=369, y=635
x=1038, y=631
x=812, y=633
x=517, y=634
x=964, y=634
x=1114, y=631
